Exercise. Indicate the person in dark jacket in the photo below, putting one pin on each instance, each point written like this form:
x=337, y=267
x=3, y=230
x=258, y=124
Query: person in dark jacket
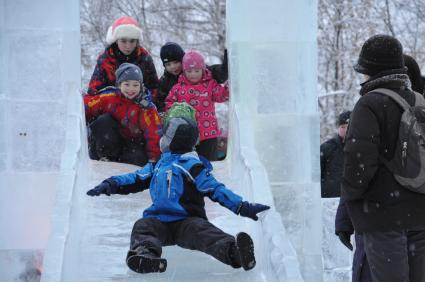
x=390, y=217
x=414, y=73
x=171, y=56
x=123, y=39
x=178, y=184
x=331, y=159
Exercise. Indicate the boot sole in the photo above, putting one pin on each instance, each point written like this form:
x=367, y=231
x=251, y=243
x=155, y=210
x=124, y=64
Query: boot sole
x=246, y=250
x=142, y=264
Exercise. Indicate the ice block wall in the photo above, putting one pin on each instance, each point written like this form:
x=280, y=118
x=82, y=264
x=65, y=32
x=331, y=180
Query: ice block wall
x=273, y=71
x=40, y=69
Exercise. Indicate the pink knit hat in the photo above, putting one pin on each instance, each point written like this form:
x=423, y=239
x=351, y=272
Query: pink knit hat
x=193, y=60
x=123, y=27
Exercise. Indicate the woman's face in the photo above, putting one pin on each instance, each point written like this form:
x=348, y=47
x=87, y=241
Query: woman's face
x=174, y=67
x=126, y=45
x=193, y=75
x=130, y=88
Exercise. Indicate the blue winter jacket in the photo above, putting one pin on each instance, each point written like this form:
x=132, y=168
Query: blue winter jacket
x=178, y=184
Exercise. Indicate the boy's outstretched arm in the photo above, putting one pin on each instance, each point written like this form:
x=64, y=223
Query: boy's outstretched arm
x=125, y=184
x=207, y=184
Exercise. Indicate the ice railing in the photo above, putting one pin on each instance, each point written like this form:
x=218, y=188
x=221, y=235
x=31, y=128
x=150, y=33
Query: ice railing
x=252, y=176
x=72, y=173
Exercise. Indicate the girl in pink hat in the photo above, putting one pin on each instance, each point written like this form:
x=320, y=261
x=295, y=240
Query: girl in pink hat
x=197, y=88
x=123, y=39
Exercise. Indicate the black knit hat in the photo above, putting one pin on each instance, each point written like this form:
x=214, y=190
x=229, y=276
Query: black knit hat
x=171, y=52
x=380, y=53
x=344, y=118
x=185, y=137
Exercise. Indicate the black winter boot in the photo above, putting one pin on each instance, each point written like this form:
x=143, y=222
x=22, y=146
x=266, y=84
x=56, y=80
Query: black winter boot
x=245, y=248
x=142, y=260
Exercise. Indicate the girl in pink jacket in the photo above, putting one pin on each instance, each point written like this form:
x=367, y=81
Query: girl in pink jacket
x=197, y=88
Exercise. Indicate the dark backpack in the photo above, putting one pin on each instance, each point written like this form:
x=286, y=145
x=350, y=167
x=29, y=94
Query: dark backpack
x=408, y=164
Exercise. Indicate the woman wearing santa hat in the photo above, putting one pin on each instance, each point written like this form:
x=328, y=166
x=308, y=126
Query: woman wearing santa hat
x=123, y=39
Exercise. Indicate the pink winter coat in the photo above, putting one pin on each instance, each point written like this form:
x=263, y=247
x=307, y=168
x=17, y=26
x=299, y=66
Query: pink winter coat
x=201, y=96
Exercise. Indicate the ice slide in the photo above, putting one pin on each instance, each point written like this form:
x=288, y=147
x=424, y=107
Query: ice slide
x=53, y=229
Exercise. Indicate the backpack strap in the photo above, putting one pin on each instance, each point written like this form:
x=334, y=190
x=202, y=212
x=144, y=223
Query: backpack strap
x=419, y=99
x=395, y=96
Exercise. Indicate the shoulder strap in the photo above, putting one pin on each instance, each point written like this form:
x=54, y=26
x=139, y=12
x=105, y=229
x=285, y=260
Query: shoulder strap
x=394, y=95
x=419, y=99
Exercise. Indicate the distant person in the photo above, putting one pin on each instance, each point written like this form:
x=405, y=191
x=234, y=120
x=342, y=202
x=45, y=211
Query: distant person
x=390, y=217
x=414, y=73
x=123, y=122
x=197, y=88
x=178, y=183
x=332, y=159
x=171, y=56
x=124, y=46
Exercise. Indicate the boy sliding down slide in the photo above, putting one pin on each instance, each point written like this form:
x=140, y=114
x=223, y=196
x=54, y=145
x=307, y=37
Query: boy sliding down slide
x=178, y=183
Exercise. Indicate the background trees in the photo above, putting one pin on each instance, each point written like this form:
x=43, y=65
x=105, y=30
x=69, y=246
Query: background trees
x=343, y=27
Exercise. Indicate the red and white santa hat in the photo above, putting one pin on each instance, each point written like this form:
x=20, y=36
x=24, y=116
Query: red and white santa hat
x=123, y=27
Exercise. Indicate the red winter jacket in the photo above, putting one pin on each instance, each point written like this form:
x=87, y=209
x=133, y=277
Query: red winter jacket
x=137, y=123
x=109, y=61
x=201, y=96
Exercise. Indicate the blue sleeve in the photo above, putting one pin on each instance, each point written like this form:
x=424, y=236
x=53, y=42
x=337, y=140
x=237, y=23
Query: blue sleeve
x=216, y=191
x=135, y=181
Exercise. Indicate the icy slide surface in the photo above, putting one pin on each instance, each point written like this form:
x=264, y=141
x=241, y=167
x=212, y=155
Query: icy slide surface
x=107, y=228
x=90, y=235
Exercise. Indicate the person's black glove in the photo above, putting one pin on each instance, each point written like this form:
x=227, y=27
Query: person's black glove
x=107, y=187
x=250, y=210
x=344, y=237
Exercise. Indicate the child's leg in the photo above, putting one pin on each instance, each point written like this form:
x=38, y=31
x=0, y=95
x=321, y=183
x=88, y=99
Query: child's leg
x=208, y=149
x=196, y=233
x=106, y=137
x=147, y=238
x=149, y=233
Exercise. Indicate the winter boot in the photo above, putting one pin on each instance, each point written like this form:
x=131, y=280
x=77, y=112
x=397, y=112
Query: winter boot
x=245, y=248
x=142, y=260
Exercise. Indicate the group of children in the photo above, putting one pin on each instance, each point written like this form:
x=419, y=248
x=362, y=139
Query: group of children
x=124, y=105
x=120, y=123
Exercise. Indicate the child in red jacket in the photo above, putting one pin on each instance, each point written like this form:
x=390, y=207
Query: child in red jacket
x=197, y=88
x=124, y=123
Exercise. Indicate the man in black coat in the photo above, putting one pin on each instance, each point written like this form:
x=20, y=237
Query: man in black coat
x=332, y=159
x=390, y=217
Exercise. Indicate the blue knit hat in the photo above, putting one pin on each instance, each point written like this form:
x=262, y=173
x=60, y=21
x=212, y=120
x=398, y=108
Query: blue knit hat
x=127, y=71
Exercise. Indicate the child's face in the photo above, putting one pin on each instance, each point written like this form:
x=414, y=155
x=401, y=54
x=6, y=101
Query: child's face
x=130, y=88
x=173, y=67
x=193, y=75
x=126, y=45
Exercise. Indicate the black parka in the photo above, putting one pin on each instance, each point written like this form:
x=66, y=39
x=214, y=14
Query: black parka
x=375, y=200
x=331, y=164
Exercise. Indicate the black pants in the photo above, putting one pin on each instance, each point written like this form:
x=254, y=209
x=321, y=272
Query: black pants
x=208, y=149
x=396, y=256
x=192, y=233
x=105, y=140
x=361, y=270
